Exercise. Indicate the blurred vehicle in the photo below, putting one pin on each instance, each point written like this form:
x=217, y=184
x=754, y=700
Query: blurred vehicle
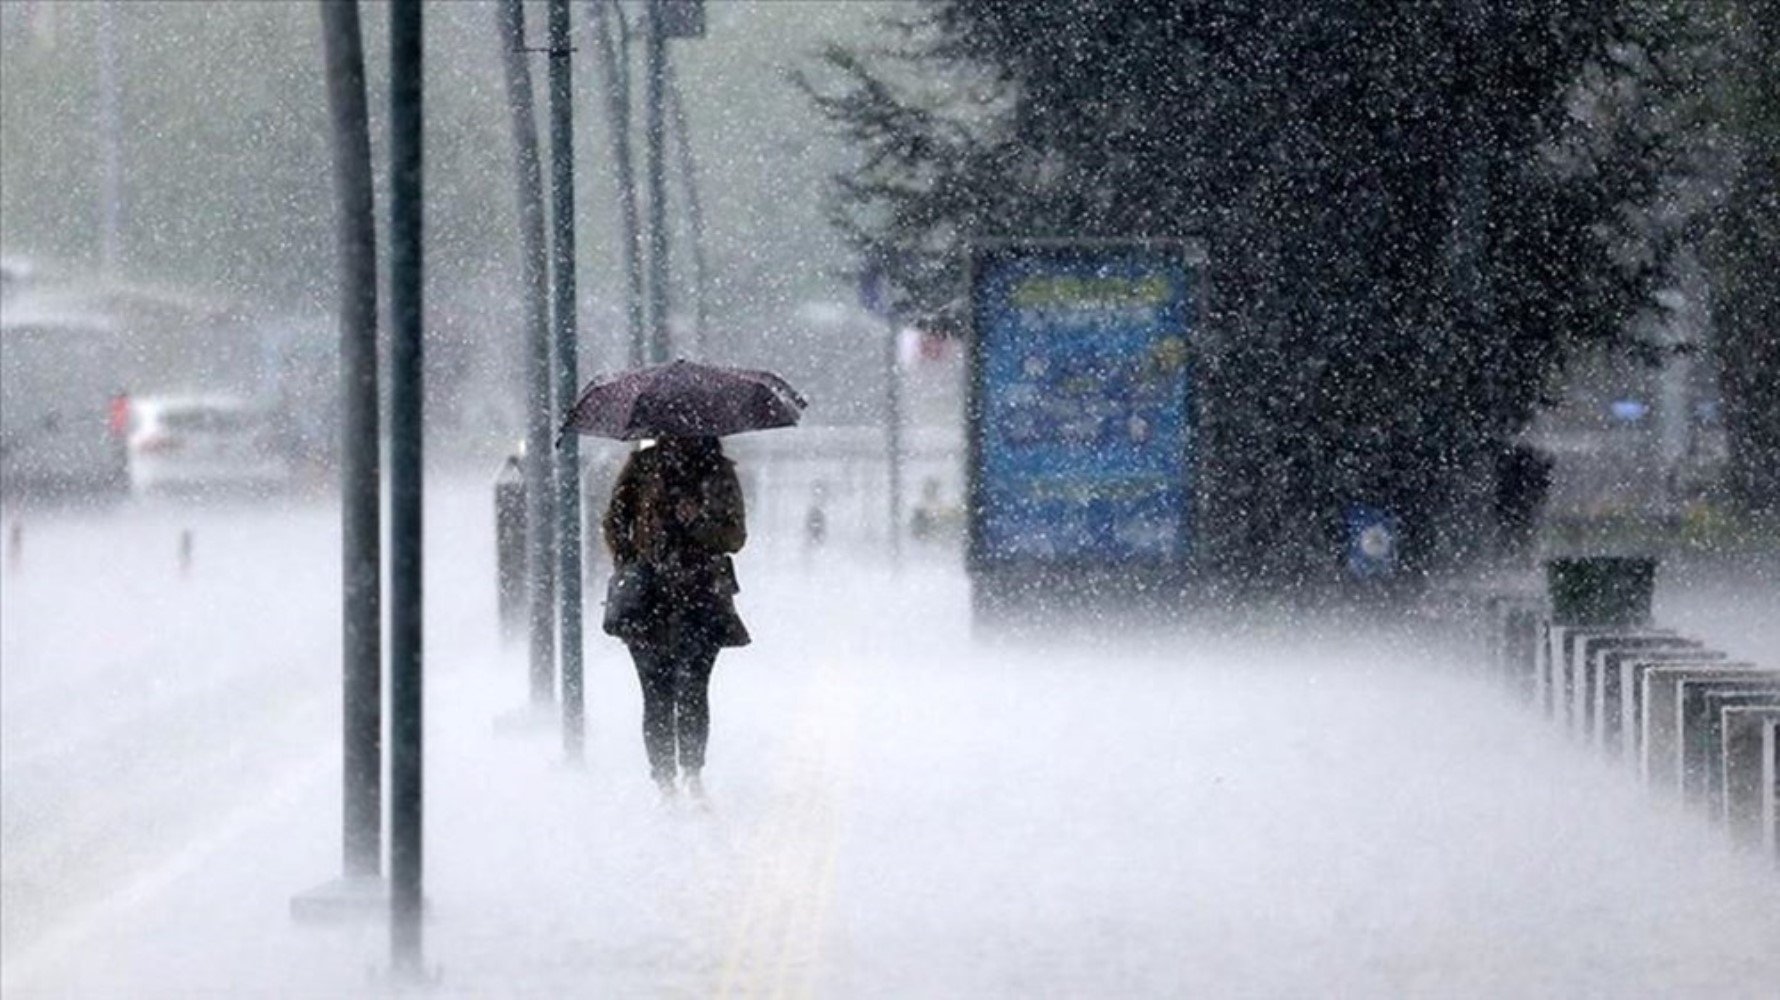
x=204, y=443
x=59, y=436
x=73, y=347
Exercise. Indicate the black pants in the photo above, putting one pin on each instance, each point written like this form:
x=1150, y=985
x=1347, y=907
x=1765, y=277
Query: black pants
x=676, y=684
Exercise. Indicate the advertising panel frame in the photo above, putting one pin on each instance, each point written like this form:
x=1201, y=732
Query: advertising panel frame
x=996, y=578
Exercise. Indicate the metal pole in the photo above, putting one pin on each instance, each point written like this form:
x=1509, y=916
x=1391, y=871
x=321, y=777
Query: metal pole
x=540, y=506
x=616, y=73
x=893, y=436
x=406, y=483
x=361, y=597
x=655, y=71
x=695, y=212
x=111, y=173
x=568, y=453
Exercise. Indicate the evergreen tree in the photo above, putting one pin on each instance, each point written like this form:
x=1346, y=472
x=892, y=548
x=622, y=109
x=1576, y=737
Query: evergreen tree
x=1397, y=269
x=1745, y=256
x=1682, y=126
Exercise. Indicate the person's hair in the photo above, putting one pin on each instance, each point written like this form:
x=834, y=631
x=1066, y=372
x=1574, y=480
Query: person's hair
x=684, y=448
x=691, y=458
x=653, y=480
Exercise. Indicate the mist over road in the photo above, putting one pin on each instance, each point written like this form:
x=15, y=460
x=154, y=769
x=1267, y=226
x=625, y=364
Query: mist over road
x=900, y=809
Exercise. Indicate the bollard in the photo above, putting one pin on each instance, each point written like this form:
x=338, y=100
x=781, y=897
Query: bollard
x=1748, y=793
x=185, y=552
x=509, y=540
x=1520, y=650
x=1495, y=610
x=1662, y=761
x=1632, y=672
x=1700, y=704
x=1770, y=789
x=1589, y=669
x=1622, y=671
x=1559, y=669
x=1511, y=626
x=15, y=545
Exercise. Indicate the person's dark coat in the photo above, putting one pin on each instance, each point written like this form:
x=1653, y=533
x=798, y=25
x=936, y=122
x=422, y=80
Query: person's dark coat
x=677, y=508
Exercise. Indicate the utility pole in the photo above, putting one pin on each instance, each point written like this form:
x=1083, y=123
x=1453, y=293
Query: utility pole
x=361, y=596
x=876, y=295
x=654, y=80
x=406, y=273
x=893, y=434
x=111, y=170
x=615, y=69
x=540, y=507
x=568, y=451
x=695, y=213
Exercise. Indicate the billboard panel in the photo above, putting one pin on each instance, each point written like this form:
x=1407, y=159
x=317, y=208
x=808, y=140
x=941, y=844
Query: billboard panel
x=1081, y=409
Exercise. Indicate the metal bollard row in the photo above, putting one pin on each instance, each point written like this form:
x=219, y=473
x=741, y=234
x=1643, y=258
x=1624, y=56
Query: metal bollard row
x=1689, y=720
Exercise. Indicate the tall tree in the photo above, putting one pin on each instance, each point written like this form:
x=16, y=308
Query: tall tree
x=1681, y=123
x=1745, y=257
x=1397, y=270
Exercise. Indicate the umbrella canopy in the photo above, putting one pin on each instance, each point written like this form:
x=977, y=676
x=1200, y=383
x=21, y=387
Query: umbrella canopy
x=684, y=399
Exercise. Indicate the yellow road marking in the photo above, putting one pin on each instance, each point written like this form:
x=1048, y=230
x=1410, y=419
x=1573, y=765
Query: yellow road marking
x=775, y=946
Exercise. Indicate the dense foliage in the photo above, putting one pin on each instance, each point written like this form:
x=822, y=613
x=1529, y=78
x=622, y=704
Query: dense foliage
x=1744, y=249
x=1402, y=259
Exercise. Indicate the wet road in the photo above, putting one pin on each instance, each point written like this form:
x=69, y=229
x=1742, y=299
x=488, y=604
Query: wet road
x=898, y=809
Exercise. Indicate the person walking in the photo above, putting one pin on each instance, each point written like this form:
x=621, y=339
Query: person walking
x=674, y=520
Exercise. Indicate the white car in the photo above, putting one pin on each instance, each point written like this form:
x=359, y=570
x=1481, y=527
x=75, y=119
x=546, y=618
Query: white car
x=204, y=443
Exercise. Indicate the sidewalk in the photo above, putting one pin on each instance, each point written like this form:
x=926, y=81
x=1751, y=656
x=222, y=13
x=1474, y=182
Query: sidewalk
x=897, y=811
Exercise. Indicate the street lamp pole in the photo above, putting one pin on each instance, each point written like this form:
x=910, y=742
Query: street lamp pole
x=616, y=74
x=535, y=274
x=568, y=451
x=111, y=170
x=654, y=84
x=407, y=675
x=695, y=213
x=360, y=482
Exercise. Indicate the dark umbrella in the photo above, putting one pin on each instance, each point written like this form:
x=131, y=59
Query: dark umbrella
x=684, y=399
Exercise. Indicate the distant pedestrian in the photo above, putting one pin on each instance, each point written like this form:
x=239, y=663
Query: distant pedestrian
x=674, y=519
x=924, y=523
x=815, y=520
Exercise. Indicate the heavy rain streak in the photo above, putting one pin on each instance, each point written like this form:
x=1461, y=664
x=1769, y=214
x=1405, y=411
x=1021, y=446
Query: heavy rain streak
x=889, y=498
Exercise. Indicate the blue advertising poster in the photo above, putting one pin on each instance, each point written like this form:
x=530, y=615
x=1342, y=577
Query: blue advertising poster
x=1083, y=429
